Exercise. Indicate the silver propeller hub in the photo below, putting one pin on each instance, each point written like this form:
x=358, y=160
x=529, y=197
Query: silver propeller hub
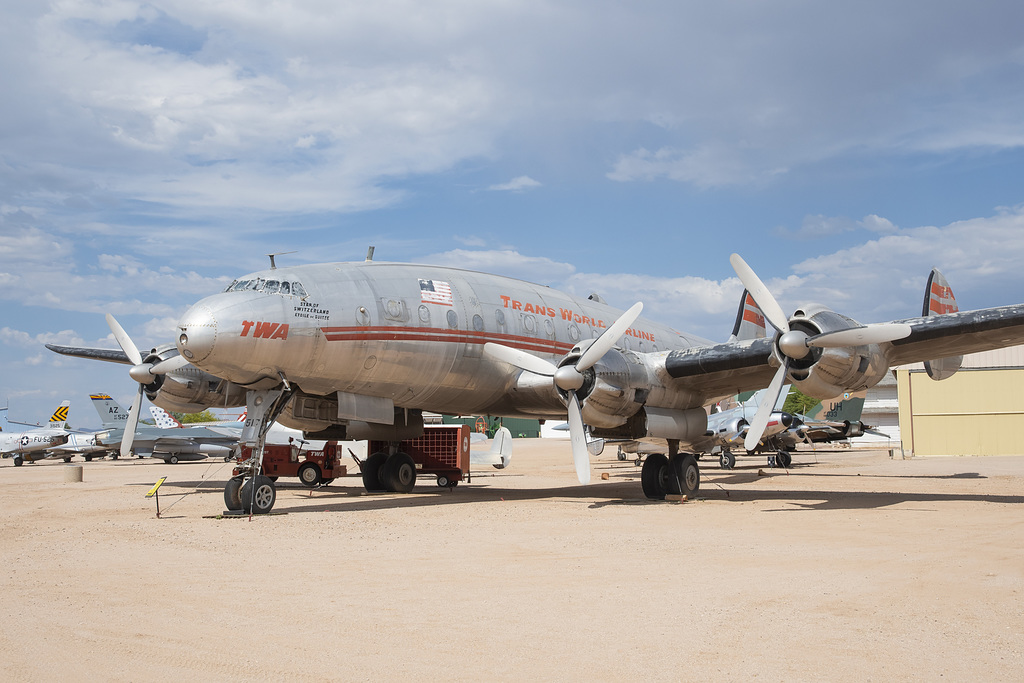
x=568, y=378
x=794, y=344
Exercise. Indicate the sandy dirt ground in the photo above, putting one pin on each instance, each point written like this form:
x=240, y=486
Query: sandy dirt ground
x=851, y=566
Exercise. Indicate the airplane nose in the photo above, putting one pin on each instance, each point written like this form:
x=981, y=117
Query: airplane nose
x=197, y=333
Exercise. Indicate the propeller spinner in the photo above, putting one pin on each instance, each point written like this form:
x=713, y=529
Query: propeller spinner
x=143, y=373
x=796, y=344
x=569, y=378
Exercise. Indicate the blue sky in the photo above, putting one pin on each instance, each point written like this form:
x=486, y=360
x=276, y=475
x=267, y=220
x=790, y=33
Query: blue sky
x=151, y=152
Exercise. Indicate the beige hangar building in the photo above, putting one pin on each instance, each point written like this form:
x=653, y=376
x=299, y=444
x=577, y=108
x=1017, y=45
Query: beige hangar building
x=977, y=411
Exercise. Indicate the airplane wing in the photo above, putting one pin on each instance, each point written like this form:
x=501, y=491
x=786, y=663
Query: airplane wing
x=954, y=334
x=723, y=369
x=732, y=367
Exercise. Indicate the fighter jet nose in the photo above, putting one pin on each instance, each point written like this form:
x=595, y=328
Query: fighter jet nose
x=197, y=333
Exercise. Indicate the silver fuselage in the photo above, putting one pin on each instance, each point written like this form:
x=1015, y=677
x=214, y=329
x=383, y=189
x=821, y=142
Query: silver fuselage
x=410, y=333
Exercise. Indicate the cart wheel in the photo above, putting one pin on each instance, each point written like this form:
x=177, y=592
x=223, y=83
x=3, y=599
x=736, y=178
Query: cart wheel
x=232, y=500
x=309, y=474
x=442, y=481
x=173, y=460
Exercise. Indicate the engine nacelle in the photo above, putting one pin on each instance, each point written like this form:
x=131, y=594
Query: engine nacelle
x=613, y=389
x=830, y=372
x=189, y=389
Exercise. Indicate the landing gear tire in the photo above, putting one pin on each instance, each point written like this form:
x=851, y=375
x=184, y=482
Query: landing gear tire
x=258, y=495
x=173, y=460
x=638, y=462
x=371, y=471
x=684, y=475
x=654, y=476
x=620, y=455
x=727, y=460
x=310, y=475
x=232, y=497
x=88, y=458
x=67, y=459
x=400, y=473
x=18, y=461
x=784, y=459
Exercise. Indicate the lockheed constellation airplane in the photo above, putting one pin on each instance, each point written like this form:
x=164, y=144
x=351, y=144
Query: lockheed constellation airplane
x=360, y=350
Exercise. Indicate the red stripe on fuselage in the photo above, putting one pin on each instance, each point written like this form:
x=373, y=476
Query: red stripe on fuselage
x=437, y=334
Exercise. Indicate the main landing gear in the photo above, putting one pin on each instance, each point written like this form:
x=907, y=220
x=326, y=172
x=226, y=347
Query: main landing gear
x=677, y=474
x=394, y=472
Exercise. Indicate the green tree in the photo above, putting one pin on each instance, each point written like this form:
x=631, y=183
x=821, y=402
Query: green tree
x=192, y=418
x=799, y=402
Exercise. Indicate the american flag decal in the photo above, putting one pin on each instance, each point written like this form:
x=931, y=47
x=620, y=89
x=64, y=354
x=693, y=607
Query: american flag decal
x=435, y=292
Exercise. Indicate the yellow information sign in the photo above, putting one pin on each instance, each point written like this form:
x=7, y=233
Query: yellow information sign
x=156, y=487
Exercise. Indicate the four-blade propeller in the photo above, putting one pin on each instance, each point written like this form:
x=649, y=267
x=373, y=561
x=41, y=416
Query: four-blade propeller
x=143, y=373
x=796, y=344
x=570, y=378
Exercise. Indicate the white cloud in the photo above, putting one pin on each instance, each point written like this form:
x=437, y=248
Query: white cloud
x=517, y=184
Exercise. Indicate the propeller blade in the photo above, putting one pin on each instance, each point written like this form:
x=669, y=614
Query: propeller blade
x=520, y=359
x=609, y=337
x=762, y=295
x=855, y=336
x=764, y=411
x=124, y=341
x=170, y=365
x=128, y=438
x=578, y=437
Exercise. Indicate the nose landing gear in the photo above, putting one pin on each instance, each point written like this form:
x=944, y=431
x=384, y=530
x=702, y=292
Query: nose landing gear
x=251, y=491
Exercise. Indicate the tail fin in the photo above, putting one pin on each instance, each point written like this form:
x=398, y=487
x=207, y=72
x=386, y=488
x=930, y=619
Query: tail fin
x=749, y=320
x=500, y=455
x=110, y=411
x=59, y=419
x=163, y=419
x=847, y=408
x=938, y=300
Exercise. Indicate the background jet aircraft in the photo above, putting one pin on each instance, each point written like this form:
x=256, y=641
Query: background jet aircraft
x=360, y=350
x=728, y=428
x=32, y=444
x=171, y=444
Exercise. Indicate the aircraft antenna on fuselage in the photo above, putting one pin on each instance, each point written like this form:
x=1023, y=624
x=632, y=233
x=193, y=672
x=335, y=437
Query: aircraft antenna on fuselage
x=369, y=253
x=273, y=266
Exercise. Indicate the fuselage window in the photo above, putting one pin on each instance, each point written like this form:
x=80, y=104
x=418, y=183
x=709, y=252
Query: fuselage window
x=271, y=286
x=286, y=288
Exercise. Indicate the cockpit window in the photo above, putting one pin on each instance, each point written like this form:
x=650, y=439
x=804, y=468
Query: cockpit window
x=285, y=287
